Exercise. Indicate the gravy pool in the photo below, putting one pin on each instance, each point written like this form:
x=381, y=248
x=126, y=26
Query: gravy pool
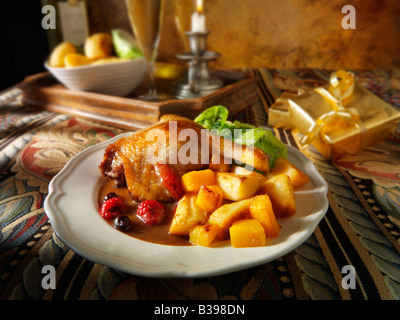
x=156, y=234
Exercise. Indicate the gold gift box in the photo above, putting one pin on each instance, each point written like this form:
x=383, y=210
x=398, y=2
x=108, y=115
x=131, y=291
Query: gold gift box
x=278, y=113
x=377, y=119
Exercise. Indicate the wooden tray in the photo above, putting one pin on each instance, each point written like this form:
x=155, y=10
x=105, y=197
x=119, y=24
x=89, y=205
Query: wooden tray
x=44, y=91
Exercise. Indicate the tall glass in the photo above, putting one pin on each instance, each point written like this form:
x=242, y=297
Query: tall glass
x=183, y=10
x=146, y=18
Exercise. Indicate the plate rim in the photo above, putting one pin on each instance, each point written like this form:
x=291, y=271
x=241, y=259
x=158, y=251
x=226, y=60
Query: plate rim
x=101, y=256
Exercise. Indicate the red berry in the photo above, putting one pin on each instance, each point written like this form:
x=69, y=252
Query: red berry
x=170, y=179
x=150, y=212
x=112, y=208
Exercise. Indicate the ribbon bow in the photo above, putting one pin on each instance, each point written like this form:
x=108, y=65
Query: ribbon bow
x=340, y=90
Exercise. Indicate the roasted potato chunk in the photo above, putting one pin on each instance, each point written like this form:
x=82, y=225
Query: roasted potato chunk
x=241, y=171
x=247, y=233
x=261, y=210
x=238, y=170
x=187, y=215
x=226, y=214
x=252, y=157
x=237, y=187
x=280, y=191
x=219, y=163
x=209, y=198
x=203, y=235
x=193, y=180
x=297, y=177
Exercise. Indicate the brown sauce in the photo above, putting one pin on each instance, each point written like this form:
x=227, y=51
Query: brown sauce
x=156, y=234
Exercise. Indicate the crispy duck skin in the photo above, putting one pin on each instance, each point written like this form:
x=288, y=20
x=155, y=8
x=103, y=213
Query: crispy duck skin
x=127, y=160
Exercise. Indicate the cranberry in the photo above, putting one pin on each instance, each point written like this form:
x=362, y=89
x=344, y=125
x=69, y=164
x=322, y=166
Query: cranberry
x=122, y=223
x=150, y=212
x=110, y=195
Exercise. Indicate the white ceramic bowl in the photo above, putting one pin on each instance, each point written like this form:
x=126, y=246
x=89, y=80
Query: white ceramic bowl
x=117, y=79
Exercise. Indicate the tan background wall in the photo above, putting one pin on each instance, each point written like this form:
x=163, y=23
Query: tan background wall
x=278, y=33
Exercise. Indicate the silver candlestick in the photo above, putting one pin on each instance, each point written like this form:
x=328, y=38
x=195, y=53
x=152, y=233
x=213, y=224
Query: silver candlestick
x=199, y=81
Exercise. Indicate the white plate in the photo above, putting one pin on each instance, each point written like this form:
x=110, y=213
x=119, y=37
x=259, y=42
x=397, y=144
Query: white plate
x=71, y=206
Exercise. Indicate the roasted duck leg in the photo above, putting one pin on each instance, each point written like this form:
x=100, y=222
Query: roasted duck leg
x=151, y=161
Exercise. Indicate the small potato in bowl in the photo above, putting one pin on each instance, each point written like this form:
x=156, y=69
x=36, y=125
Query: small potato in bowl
x=72, y=60
x=98, y=46
x=57, y=56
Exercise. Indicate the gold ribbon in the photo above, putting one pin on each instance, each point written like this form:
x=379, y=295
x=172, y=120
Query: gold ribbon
x=338, y=93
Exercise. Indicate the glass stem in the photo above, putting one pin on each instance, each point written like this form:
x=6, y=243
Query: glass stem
x=152, y=85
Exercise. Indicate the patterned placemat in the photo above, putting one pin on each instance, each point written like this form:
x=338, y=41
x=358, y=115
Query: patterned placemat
x=36, y=144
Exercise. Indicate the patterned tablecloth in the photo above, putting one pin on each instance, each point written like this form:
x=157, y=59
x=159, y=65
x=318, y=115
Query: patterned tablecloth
x=361, y=227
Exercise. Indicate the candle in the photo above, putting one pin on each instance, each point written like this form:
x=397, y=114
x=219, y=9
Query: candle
x=198, y=18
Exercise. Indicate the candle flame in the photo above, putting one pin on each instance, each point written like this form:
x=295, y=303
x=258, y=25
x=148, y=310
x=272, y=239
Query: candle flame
x=199, y=6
